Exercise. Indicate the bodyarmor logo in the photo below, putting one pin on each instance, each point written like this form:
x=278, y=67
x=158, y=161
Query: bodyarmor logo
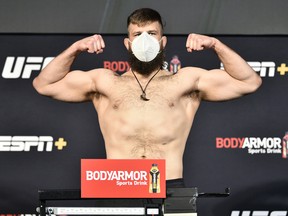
x=255, y=145
x=116, y=66
x=22, y=67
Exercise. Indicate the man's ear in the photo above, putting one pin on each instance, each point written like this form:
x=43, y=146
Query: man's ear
x=127, y=43
x=164, y=42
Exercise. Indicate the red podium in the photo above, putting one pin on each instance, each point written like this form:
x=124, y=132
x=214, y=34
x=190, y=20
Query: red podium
x=142, y=178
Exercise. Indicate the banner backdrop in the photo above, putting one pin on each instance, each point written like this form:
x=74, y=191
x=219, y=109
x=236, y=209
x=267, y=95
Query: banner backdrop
x=239, y=144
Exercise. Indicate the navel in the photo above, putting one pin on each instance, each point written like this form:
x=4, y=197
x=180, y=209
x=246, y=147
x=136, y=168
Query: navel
x=115, y=106
x=171, y=104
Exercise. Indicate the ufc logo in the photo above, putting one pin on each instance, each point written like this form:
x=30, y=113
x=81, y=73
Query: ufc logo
x=22, y=67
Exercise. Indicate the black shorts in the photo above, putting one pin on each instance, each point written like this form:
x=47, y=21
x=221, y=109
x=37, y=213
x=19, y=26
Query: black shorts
x=175, y=183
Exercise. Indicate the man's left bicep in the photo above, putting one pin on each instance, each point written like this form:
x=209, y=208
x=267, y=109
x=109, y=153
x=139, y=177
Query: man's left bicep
x=217, y=85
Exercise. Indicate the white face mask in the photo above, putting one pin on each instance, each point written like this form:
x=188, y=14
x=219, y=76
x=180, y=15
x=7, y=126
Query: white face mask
x=145, y=47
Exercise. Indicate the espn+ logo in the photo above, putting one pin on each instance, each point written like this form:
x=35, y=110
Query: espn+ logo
x=264, y=68
x=30, y=143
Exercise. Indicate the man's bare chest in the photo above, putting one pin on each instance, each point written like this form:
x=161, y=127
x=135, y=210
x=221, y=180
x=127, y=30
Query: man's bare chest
x=158, y=92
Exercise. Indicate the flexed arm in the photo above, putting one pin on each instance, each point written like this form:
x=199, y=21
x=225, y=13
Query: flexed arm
x=57, y=81
x=237, y=79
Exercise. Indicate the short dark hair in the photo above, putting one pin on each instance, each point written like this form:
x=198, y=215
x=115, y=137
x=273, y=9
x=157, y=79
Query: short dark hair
x=144, y=16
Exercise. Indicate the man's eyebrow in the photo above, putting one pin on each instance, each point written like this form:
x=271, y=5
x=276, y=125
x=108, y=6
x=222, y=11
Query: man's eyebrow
x=152, y=31
x=137, y=32
x=149, y=31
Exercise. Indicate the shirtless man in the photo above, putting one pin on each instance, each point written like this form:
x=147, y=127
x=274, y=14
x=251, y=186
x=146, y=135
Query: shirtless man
x=147, y=112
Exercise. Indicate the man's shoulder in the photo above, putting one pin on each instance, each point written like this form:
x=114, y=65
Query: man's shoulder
x=190, y=72
x=190, y=69
x=102, y=72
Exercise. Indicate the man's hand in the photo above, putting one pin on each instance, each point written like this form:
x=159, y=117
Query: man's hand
x=92, y=44
x=199, y=42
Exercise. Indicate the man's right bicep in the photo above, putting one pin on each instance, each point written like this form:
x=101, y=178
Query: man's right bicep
x=76, y=86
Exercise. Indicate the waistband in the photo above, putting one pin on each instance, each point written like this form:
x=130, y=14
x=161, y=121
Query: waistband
x=175, y=183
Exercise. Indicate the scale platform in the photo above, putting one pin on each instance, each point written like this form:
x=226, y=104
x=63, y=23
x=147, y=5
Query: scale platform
x=178, y=202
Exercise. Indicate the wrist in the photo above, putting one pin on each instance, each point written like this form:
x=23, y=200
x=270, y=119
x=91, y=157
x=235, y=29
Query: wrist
x=74, y=49
x=217, y=45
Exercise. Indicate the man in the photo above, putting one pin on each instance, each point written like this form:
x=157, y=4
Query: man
x=147, y=112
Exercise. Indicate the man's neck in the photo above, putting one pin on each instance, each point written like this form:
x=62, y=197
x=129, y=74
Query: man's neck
x=145, y=76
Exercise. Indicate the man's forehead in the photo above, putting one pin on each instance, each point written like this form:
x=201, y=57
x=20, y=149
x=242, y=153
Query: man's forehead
x=150, y=26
